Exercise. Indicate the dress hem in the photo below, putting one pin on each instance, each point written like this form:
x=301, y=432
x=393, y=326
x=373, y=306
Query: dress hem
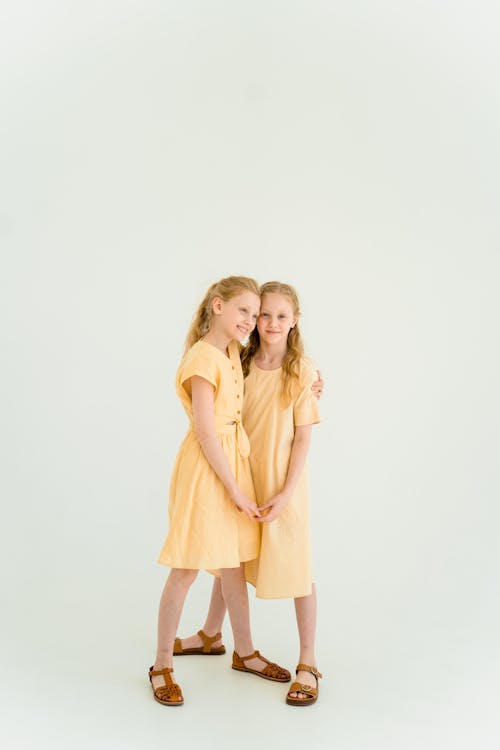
x=284, y=596
x=209, y=566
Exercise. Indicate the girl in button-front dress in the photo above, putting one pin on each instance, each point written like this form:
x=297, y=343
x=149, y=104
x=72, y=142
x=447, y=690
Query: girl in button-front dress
x=279, y=411
x=212, y=509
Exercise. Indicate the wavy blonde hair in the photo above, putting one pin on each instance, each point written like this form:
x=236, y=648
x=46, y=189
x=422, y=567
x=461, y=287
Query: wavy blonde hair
x=295, y=346
x=225, y=289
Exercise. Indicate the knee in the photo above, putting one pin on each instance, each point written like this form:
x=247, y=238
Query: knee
x=182, y=577
x=231, y=574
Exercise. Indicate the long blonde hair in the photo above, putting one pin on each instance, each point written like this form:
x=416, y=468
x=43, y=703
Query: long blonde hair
x=295, y=347
x=225, y=289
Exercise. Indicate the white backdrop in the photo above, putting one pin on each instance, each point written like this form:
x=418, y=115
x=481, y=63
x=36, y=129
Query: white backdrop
x=149, y=148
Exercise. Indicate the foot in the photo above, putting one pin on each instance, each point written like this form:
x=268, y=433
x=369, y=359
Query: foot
x=194, y=641
x=257, y=663
x=305, y=678
x=159, y=681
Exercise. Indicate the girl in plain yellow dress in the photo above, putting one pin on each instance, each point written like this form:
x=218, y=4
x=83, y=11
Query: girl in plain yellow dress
x=279, y=411
x=212, y=510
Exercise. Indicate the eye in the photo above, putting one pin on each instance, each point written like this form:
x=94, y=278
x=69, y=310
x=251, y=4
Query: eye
x=264, y=315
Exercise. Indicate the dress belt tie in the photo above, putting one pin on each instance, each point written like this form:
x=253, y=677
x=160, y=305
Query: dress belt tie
x=241, y=437
x=228, y=425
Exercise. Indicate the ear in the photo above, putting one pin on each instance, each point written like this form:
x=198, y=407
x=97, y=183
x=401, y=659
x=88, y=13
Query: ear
x=217, y=304
x=294, y=323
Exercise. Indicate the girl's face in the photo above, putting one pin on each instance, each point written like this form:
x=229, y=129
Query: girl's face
x=238, y=315
x=276, y=318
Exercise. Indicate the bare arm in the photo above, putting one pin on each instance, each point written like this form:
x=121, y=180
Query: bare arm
x=202, y=393
x=298, y=455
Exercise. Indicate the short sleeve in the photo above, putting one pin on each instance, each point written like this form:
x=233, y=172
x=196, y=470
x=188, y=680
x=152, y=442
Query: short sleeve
x=198, y=361
x=305, y=408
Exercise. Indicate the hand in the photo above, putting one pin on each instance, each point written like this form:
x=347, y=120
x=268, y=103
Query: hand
x=245, y=505
x=273, y=508
x=317, y=386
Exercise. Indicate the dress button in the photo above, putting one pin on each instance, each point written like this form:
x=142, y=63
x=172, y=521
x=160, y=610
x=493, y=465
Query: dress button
x=236, y=382
x=238, y=412
x=237, y=395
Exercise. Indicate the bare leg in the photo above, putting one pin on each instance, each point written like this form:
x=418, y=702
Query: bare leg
x=305, y=610
x=234, y=589
x=216, y=611
x=214, y=620
x=171, y=604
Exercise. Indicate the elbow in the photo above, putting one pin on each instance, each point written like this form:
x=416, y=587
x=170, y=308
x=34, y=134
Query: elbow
x=302, y=438
x=302, y=442
x=203, y=435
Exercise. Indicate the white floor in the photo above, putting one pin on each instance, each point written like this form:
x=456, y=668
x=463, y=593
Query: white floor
x=76, y=665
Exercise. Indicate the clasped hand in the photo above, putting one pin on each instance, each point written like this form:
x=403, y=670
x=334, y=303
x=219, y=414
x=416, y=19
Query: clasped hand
x=274, y=506
x=245, y=505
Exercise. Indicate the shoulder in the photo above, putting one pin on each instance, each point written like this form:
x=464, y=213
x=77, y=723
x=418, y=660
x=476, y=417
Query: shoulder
x=201, y=359
x=306, y=406
x=200, y=350
x=308, y=371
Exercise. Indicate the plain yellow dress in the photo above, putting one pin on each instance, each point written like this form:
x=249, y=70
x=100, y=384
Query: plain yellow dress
x=283, y=568
x=206, y=529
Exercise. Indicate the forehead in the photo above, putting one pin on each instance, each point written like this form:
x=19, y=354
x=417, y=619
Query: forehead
x=274, y=302
x=246, y=298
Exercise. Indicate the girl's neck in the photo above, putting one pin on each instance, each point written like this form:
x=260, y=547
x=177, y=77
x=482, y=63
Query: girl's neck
x=270, y=357
x=217, y=339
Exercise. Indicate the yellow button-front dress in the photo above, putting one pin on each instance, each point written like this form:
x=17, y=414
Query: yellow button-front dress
x=283, y=568
x=206, y=529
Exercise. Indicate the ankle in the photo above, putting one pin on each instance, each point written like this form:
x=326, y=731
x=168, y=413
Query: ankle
x=160, y=666
x=163, y=659
x=307, y=657
x=210, y=630
x=243, y=649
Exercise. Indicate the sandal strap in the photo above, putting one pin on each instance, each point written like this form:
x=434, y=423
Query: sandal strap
x=307, y=668
x=164, y=672
x=271, y=669
x=298, y=687
x=208, y=640
x=177, y=646
x=256, y=654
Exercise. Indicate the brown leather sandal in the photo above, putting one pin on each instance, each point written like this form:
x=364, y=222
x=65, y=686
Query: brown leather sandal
x=168, y=694
x=205, y=650
x=270, y=672
x=298, y=687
